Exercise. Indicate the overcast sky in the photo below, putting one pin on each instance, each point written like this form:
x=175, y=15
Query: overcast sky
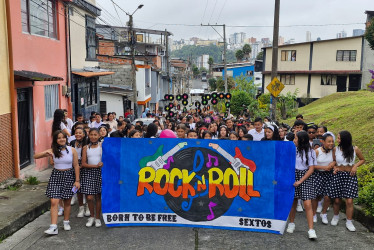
x=157, y=13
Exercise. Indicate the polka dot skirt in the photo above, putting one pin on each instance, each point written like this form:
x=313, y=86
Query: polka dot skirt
x=343, y=185
x=60, y=184
x=322, y=182
x=90, y=181
x=306, y=190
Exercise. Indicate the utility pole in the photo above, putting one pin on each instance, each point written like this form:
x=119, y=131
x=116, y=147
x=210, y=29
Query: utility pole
x=224, y=48
x=133, y=66
x=170, y=87
x=274, y=64
x=224, y=56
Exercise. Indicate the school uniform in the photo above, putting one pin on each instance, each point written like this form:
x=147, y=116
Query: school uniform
x=257, y=136
x=322, y=178
x=91, y=177
x=343, y=185
x=306, y=190
x=62, y=179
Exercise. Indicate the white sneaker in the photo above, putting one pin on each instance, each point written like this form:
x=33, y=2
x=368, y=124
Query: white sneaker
x=324, y=219
x=315, y=218
x=90, y=222
x=67, y=226
x=312, y=234
x=81, y=212
x=319, y=208
x=291, y=228
x=73, y=200
x=60, y=211
x=334, y=221
x=299, y=207
x=84, y=199
x=97, y=223
x=87, y=213
x=52, y=230
x=350, y=226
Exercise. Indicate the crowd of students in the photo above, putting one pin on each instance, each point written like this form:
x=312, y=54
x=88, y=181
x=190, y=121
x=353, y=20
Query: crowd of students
x=324, y=172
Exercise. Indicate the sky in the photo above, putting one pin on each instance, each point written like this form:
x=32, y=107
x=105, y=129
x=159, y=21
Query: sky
x=164, y=14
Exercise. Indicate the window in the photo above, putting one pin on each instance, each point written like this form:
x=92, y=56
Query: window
x=288, y=55
x=287, y=79
x=90, y=38
x=39, y=17
x=328, y=80
x=249, y=73
x=346, y=55
x=50, y=100
x=90, y=91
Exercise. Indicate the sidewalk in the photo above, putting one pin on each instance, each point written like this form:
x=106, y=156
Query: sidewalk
x=21, y=206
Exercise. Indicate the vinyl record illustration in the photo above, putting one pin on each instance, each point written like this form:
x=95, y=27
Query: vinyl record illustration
x=208, y=107
x=184, y=110
x=208, y=97
x=171, y=105
x=171, y=114
x=221, y=96
x=214, y=95
x=227, y=104
x=185, y=96
x=167, y=108
x=228, y=96
x=171, y=97
x=214, y=101
x=178, y=106
x=179, y=97
x=197, y=104
x=166, y=97
x=185, y=102
x=204, y=102
x=203, y=97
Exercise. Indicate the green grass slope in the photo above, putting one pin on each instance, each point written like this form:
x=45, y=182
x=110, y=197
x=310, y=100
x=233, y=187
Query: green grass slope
x=352, y=111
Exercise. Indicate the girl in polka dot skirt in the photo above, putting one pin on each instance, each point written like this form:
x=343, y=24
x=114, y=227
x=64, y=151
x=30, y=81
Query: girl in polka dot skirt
x=344, y=180
x=304, y=188
x=65, y=176
x=91, y=176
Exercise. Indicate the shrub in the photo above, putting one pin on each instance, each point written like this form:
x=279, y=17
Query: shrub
x=365, y=175
x=32, y=180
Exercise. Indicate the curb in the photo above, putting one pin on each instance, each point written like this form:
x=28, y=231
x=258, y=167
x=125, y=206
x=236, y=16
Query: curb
x=24, y=219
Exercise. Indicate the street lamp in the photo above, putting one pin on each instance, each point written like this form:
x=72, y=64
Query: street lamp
x=132, y=47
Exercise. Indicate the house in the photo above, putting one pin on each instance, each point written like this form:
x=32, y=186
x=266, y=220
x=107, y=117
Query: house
x=320, y=68
x=7, y=160
x=180, y=73
x=39, y=74
x=85, y=71
x=151, y=62
x=234, y=70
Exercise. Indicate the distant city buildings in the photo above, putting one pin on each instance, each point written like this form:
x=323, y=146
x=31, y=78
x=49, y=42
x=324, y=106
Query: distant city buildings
x=358, y=32
x=308, y=36
x=341, y=34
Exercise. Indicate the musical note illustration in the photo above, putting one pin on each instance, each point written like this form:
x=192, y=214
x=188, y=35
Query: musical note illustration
x=209, y=163
x=167, y=165
x=211, y=215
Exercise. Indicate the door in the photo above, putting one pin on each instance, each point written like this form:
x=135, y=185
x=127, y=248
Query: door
x=354, y=82
x=341, y=82
x=24, y=126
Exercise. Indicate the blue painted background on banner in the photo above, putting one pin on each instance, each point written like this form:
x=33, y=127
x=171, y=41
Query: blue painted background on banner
x=273, y=177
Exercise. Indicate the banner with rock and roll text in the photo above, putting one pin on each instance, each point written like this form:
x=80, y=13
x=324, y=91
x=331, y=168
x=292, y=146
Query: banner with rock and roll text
x=223, y=184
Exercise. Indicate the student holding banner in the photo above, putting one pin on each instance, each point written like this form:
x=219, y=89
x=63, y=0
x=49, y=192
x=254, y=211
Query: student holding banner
x=304, y=188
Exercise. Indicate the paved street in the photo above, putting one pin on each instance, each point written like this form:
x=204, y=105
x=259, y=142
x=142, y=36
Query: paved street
x=198, y=84
x=80, y=237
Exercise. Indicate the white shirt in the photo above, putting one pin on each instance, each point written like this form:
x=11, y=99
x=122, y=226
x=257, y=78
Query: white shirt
x=70, y=124
x=301, y=162
x=256, y=135
x=95, y=124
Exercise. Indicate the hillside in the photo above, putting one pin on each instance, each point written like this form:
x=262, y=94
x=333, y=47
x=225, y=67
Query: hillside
x=352, y=111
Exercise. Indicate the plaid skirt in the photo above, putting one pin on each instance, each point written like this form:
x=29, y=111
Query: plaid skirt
x=60, y=184
x=90, y=181
x=306, y=190
x=322, y=182
x=343, y=185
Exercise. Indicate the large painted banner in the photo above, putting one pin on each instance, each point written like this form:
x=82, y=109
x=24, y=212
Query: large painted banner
x=238, y=185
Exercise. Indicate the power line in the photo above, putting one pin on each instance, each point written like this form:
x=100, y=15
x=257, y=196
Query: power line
x=117, y=12
x=214, y=8
x=221, y=11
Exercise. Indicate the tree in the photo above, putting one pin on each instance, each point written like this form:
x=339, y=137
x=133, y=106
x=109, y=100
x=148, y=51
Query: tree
x=203, y=69
x=193, y=51
x=244, y=84
x=221, y=84
x=260, y=55
x=239, y=55
x=195, y=70
x=210, y=62
x=247, y=49
x=213, y=84
x=369, y=34
x=240, y=100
